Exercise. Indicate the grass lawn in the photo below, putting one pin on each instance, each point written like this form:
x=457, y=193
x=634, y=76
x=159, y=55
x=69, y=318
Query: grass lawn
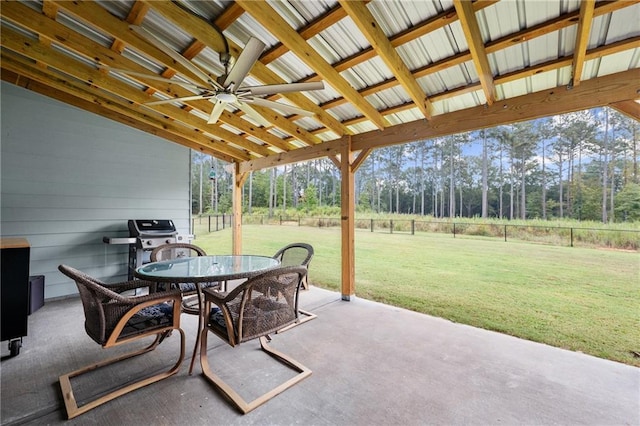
x=585, y=300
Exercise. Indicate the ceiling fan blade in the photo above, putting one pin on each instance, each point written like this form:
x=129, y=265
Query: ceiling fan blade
x=155, y=77
x=290, y=109
x=216, y=112
x=272, y=89
x=183, y=99
x=253, y=114
x=243, y=65
x=173, y=54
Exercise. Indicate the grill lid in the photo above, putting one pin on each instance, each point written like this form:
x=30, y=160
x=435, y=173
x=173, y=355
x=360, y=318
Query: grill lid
x=151, y=228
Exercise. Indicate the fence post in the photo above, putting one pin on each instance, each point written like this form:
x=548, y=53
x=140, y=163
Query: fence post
x=454, y=229
x=505, y=233
x=299, y=220
x=571, y=237
x=413, y=227
x=391, y=226
x=209, y=222
x=371, y=225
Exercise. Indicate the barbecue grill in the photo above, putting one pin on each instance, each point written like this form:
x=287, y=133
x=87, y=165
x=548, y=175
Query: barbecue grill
x=144, y=236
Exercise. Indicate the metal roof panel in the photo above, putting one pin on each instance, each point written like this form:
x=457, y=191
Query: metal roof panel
x=290, y=67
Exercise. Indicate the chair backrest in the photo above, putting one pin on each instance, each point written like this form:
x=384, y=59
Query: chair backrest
x=108, y=313
x=295, y=254
x=93, y=293
x=175, y=251
x=263, y=304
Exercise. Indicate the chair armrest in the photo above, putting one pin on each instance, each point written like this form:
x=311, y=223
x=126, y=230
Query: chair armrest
x=214, y=295
x=158, y=297
x=128, y=285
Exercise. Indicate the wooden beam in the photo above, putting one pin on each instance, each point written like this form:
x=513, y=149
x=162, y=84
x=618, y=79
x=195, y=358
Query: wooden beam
x=35, y=50
x=582, y=39
x=100, y=18
x=137, y=12
x=264, y=74
x=629, y=108
x=104, y=21
x=368, y=26
x=310, y=30
x=336, y=161
x=53, y=30
x=421, y=28
x=360, y=159
x=199, y=28
x=50, y=10
x=229, y=16
x=547, y=27
x=554, y=64
x=446, y=18
x=325, y=149
x=590, y=94
x=473, y=35
x=270, y=19
x=110, y=109
x=598, y=92
x=194, y=26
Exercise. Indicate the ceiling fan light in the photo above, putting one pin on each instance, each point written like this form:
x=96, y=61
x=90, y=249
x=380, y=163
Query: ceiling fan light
x=226, y=97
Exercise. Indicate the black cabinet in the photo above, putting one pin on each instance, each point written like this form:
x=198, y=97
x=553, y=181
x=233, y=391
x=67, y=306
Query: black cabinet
x=14, y=286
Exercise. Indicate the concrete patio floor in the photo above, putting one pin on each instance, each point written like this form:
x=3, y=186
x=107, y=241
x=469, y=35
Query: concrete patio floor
x=372, y=364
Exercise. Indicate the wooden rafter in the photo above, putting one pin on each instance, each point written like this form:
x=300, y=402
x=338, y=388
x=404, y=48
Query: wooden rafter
x=552, y=65
x=422, y=28
x=203, y=32
x=262, y=73
x=255, y=141
x=313, y=28
x=37, y=51
x=591, y=93
x=263, y=13
x=229, y=16
x=201, y=29
x=606, y=90
x=446, y=18
x=101, y=19
x=472, y=33
x=43, y=82
x=368, y=26
x=629, y=108
x=582, y=39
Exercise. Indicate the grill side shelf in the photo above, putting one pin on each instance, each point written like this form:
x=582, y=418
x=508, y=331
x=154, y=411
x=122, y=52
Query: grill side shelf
x=109, y=240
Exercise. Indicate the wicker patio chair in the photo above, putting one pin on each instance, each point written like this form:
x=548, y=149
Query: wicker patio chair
x=176, y=251
x=113, y=318
x=296, y=254
x=292, y=255
x=259, y=306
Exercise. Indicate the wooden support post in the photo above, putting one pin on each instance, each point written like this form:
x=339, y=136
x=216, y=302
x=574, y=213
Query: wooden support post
x=238, y=181
x=347, y=214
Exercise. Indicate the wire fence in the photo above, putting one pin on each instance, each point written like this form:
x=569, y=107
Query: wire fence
x=553, y=235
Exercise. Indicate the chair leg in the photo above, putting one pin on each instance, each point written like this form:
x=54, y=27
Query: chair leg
x=233, y=396
x=308, y=316
x=67, y=391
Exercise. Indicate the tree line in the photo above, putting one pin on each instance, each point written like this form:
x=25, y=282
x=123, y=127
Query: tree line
x=582, y=165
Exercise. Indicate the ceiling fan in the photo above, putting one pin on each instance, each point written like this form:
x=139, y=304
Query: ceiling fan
x=227, y=89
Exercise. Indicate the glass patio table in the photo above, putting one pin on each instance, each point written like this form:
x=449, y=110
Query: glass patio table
x=204, y=269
